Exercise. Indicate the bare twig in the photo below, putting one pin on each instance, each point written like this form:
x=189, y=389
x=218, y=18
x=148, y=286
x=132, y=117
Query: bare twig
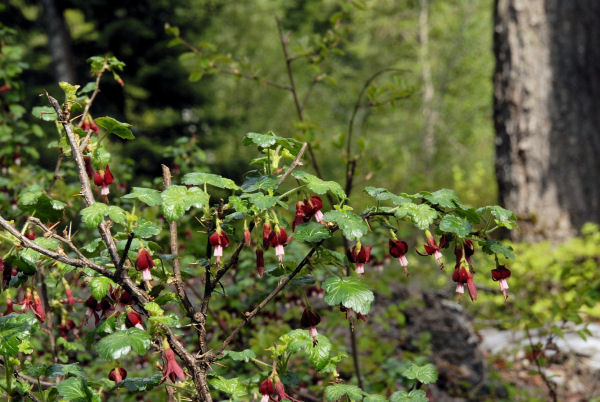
x=547, y=382
x=288, y=64
x=196, y=317
x=293, y=165
x=125, y=251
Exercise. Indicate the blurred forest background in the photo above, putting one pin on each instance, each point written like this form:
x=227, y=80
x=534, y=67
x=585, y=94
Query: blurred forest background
x=428, y=124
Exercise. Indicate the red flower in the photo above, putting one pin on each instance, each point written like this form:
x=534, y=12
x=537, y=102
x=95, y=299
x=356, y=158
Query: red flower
x=69, y=293
x=219, y=240
x=310, y=319
x=398, y=249
x=266, y=235
x=9, y=307
x=88, y=166
x=104, y=179
x=300, y=217
x=144, y=263
x=462, y=276
x=278, y=239
x=66, y=327
x=501, y=274
x=360, y=255
x=280, y=391
x=134, y=319
x=316, y=204
x=260, y=262
x=117, y=375
x=31, y=235
x=247, y=235
x=93, y=308
x=171, y=368
x=306, y=209
x=266, y=389
x=431, y=248
x=31, y=301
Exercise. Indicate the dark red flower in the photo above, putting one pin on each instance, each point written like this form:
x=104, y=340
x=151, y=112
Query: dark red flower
x=260, y=262
x=316, y=203
x=310, y=319
x=300, y=217
x=66, y=327
x=219, y=240
x=266, y=235
x=360, y=255
x=70, y=300
x=144, y=263
x=88, y=168
x=431, y=248
x=461, y=276
x=280, y=391
x=171, y=368
x=501, y=274
x=103, y=179
x=31, y=235
x=278, y=239
x=134, y=319
x=398, y=249
x=266, y=389
x=117, y=375
x=93, y=308
x=247, y=235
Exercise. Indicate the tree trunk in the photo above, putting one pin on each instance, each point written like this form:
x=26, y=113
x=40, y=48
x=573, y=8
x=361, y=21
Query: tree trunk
x=547, y=114
x=59, y=42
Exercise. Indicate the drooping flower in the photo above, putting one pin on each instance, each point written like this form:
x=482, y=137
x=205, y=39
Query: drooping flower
x=278, y=239
x=89, y=170
x=398, y=249
x=300, y=216
x=501, y=274
x=460, y=276
x=431, y=248
x=70, y=300
x=9, y=306
x=352, y=315
x=134, y=319
x=31, y=235
x=316, y=203
x=66, y=327
x=280, y=391
x=103, y=179
x=171, y=369
x=219, y=240
x=117, y=375
x=266, y=235
x=266, y=389
x=93, y=308
x=144, y=263
x=247, y=235
x=310, y=319
x=463, y=253
x=360, y=255
x=260, y=262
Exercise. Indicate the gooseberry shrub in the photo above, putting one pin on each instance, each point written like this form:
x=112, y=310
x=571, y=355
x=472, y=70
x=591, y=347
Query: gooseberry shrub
x=158, y=290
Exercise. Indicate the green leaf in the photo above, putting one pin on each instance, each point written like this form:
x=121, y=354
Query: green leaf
x=318, y=186
x=381, y=194
x=94, y=214
x=75, y=389
x=352, y=226
x=350, y=292
x=92, y=246
x=335, y=392
x=427, y=374
x=69, y=90
x=45, y=113
x=99, y=286
x=311, y=232
x=502, y=217
x=318, y=354
x=61, y=370
x=422, y=215
x=140, y=384
x=89, y=87
x=490, y=246
x=270, y=139
x=14, y=328
x=375, y=398
x=454, y=224
x=154, y=308
x=201, y=178
x=245, y=355
x=113, y=126
x=416, y=395
x=445, y=198
x=264, y=183
x=260, y=200
x=146, y=229
x=116, y=214
x=47, y=242
x=120, y=343
x=148, y=196
x=176, y=200
x=33, y=198
x=230, y=386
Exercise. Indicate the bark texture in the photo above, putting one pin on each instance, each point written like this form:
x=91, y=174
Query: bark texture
x=547, y=114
